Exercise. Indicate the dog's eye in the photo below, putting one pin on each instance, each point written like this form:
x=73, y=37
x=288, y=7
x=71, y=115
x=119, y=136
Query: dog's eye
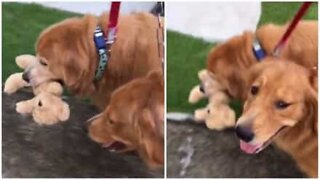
x=40, y=103
x=281, y=104
x=208, y=111
x=43, y=63
x=254, y=90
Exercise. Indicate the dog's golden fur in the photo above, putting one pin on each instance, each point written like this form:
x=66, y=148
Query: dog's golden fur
x=134, y=117
x=69, y=50
x=66, y=51
x=229, y=61
x=281, y=80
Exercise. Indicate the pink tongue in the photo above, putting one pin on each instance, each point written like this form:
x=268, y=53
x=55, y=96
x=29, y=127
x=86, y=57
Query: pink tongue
x=248, y=148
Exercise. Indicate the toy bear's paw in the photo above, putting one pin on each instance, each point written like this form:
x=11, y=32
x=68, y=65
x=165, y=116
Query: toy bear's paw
x=196, y=94
x=23, y=61
x=200, y=115
x=14, y=82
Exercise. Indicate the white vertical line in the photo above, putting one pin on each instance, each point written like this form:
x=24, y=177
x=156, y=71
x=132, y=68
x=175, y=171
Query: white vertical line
x=165, y=89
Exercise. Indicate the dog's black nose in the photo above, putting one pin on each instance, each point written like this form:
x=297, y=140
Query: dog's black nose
x=244, y=133
x=25, y=77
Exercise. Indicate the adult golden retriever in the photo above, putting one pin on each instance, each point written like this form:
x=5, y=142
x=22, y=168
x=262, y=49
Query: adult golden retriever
x=282, y=106
x=133, y=120
x=230, y=62
x=66, y=51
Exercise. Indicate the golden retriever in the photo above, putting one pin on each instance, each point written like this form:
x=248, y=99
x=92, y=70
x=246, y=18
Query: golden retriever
x=230, y=63
x=133, y=120
x=281, y=106
x=230, y=60
x=66, y=52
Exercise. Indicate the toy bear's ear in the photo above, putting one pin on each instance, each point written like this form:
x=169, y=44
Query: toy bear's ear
x=203, y=74
x=65, y=112
x=23, y=61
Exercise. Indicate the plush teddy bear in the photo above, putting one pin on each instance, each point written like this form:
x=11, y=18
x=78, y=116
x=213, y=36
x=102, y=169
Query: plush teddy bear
x=217, y=114
x=46, y=107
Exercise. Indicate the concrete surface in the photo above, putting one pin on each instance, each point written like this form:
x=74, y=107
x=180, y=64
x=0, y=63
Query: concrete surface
x=59, y=151
x=194, y=151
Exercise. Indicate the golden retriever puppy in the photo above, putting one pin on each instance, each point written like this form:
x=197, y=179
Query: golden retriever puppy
x=229, y=61
x=281, y=107
x=66, y=51
x=134, y=120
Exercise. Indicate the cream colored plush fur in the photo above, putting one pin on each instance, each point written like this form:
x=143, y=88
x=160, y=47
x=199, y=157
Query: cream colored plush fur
x=46, y=107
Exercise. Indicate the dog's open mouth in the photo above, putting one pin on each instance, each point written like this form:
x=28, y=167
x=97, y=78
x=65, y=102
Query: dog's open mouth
x=114, y=146
x=256, y=148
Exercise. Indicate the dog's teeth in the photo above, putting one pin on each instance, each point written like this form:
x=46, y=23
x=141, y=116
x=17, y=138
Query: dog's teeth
x=112, y=150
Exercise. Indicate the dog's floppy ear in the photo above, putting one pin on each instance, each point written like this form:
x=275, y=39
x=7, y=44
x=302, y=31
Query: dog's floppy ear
x=312, y=101
x=312, y=118
x=69, y=53
x=76, y=71
x=151, y=142
x=156, y=76
x=313, y=78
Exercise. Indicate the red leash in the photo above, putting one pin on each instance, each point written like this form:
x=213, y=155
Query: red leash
x=111, y=31
x=114, y=14
x=302, y=11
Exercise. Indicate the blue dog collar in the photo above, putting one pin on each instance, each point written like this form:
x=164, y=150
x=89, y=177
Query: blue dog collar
x=258, y=50
x=100, y=43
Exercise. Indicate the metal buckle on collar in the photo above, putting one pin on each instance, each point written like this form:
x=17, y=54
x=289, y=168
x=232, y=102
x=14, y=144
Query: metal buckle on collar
x=112, y=35
x=101, y=47
x=258, y=50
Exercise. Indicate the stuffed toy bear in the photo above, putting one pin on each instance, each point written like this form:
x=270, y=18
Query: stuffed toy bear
x=46, y=107
x=217, y=114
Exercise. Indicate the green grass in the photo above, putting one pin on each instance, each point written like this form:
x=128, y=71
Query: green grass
x=21, y=25
x=187, y=55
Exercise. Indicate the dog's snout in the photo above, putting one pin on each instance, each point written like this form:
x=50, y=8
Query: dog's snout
x=25, y=76
x=89, y=121
x=244, y=133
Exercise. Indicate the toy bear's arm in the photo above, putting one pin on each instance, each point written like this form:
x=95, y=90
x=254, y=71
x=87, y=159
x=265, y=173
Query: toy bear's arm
x=219, y=97
x=51, y=87
x=14, y=83
x=200, y=115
